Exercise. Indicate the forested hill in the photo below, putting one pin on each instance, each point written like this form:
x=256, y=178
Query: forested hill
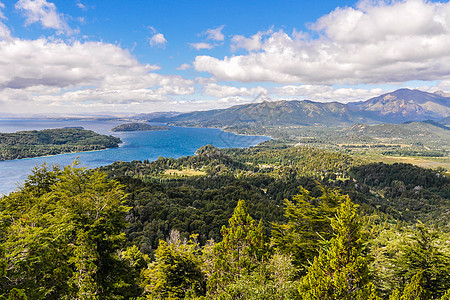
x=35, y=143
x=395, y=107
x=271, y=113
x=267, y=222
x=197, y=194
x=138, y=127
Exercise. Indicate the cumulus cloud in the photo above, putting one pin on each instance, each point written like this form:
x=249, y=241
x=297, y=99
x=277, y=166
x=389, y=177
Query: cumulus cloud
x=200, y=46
x=57, y=73
x=215, y=34
x=45, y=13
x=223, y=91
x=158, y=40
x=184, y=67
x=324, y=93
x=376, y=42
x=252, y=43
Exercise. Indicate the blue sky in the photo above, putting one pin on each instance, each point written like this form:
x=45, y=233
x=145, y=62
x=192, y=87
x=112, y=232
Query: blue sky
x=114, y=56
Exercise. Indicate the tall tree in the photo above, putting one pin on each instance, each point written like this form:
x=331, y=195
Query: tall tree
x=244, y=245
x=62, y=232
x=340, y=270
x=308, y=224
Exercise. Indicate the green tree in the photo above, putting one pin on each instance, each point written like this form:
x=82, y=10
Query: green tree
x=244, y=245
x=176, y=272
x=412, y=291
x=274, y=279
x=421, y=254
x=340, y=270
x=62, y=231
x=308, y=224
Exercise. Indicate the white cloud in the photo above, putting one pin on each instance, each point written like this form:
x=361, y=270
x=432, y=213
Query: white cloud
x=4, y=30
x=215, y=34
x=158, y=40
x=376, y=42
x=184, y=67
x=250, y=44
x=222, y=91
x=45, y=13
x=41, y=74
x=200, y=46
x=325, y=93
x=2, y=6
x=81, y=5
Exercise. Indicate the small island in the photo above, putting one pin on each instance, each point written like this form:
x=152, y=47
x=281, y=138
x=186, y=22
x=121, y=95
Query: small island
x=138, y=127
x=34, y=143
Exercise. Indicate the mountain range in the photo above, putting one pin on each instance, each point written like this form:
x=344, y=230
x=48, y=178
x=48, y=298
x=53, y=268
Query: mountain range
x=395, y=107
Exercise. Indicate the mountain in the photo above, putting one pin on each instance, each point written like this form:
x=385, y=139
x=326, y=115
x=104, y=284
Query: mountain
x=271, y=113
x=395, y=107
x=405, y=105
x=166, y=114
x=445, y=121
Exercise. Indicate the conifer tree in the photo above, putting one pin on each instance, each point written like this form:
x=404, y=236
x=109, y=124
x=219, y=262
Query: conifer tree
x=308, y=224
x=244, y=245
x=340, y=271
x=420, y=254
x=176, y=272
x=412, y=291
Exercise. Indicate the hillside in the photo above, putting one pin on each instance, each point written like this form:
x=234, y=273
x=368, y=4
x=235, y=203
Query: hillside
x=406, y=105
x=425, y=133
x=271, y=113
x=396, y=107
x=24, y=144
x=138, y=127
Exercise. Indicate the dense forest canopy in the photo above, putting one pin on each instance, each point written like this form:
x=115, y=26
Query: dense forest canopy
x=138, y=127
x=267, y=222
x=23, y=144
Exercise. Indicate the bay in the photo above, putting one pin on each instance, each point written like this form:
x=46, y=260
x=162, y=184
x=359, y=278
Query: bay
x=138, y=145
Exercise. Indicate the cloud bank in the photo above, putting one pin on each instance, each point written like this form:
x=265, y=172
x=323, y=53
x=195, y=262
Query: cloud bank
x=376, y=42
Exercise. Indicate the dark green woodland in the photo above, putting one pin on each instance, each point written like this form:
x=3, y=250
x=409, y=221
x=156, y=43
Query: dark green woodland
x=267, y=222
x=33, y=143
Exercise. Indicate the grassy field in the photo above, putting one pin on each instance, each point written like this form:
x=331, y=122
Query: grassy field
x=173, y=172
x=425, y=162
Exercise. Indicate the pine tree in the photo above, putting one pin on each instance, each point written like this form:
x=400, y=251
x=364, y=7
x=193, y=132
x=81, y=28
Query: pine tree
x=340, y=271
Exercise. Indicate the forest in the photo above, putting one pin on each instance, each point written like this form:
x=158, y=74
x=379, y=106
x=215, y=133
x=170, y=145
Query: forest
x=267, y=222
x=33, y=143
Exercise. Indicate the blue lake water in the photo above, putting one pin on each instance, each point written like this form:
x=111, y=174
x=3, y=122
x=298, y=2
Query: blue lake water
x=139, y=145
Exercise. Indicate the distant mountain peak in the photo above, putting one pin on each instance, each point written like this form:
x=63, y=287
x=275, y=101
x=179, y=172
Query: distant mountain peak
x=406, y=104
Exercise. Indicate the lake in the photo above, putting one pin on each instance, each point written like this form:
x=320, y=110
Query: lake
x=138, y=145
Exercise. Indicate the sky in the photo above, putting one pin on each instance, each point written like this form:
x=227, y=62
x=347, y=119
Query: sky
x=119, y=57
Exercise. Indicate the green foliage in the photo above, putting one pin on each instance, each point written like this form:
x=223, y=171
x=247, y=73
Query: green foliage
x=34, y=143
x=176, y=272
x=274, y=279
x=243, y=246
x=421, y=255
x=308, y=224
x=64, y=236
x=61, y=233
x=412, y=291
x=138, y=127
x=340, y=270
